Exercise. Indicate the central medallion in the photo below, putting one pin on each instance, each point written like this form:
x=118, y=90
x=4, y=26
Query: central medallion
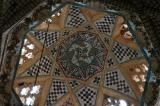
x=81, y=55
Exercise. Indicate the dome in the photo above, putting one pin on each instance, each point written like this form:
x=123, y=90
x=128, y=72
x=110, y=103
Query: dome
x=81, y=56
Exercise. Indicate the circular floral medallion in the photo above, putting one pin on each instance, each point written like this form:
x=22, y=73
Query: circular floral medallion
x=82, y=55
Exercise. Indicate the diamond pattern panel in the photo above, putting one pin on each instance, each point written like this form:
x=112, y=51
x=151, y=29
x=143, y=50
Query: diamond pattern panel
x=116, y=81
x=75, y=17
x=43, y=66
x=105, y=24
x=57, y=90
x=124, y=53
x=51, y=37
x=87, y=96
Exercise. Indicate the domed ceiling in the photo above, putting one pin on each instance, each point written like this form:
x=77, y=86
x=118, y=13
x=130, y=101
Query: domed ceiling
x=81, y=57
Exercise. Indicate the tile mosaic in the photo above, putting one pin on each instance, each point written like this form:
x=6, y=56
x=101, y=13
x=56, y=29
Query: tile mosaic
x=87, y=96
x=57, y=90
x=115, y=80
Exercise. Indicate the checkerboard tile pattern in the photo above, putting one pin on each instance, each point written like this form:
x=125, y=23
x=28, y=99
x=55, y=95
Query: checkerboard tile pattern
x=87, y=96
x=57, y=90
x=124, y=53
x=115, y=80
x=51, y=37
x=40, y=35
x=44, y=66
x=105, y=24
x=75, y=17
x=74, y=83
x=96, y=80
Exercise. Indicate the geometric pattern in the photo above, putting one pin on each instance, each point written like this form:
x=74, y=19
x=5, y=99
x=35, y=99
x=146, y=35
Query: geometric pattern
x=105, y=24
x=124, y=53
x=115, y=80
x=74, y=83
x=56, y=72
x=110, y=61
x=82, y=55
x=75, y=18
x=96, y=80
x=51, y=37
x=43, y=66
x=87, y=96
x=57, y=90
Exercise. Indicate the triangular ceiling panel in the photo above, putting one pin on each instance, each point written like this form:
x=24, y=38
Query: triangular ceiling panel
x=106, y=24
x=122, y=34
x=30, y=53
x=115, y=80
x=135, y=72
x=57, y=90
x=111, y=61
x=75, y=18
x=86, y=96
x=42, y=67
x=27, y=90
x=96, y=81
x=124, y=53
x=49, y=37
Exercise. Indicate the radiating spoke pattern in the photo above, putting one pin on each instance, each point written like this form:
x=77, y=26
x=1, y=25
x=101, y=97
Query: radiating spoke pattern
x=89, y=59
